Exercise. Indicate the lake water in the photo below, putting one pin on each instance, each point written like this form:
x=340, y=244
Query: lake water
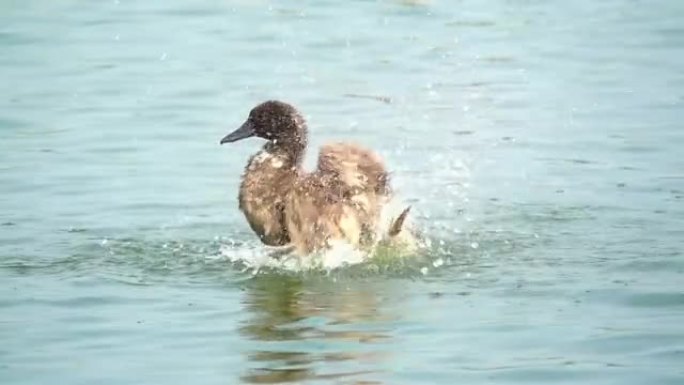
x=539, y=144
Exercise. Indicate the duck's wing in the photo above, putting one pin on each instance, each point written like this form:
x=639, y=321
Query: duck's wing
x=342, y=199
x=356, y=169
x=313, y=215
x=364, y=185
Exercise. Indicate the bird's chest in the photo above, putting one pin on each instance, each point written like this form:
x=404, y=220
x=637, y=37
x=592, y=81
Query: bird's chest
x=265, y=185
x=266, y=178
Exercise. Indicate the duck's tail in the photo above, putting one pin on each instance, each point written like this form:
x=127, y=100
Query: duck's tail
x=397, y=224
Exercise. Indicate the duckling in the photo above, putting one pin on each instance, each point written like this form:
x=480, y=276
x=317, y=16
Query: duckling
x=284, y=205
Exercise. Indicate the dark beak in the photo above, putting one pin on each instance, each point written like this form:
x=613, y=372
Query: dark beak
x=245, y=131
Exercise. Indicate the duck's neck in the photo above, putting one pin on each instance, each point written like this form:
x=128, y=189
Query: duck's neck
x=290, y=158
x=290, y=149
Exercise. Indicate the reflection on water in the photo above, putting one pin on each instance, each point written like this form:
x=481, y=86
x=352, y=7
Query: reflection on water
x=297, y=327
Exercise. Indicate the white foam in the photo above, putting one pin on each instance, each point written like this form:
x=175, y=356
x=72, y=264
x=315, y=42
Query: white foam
x=255, y=258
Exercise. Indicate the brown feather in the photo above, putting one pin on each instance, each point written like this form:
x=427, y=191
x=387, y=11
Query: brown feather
x=263, y=193
x=340, y=200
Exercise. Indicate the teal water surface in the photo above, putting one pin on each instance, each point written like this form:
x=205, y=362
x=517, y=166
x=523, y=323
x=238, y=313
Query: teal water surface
x=539, y=144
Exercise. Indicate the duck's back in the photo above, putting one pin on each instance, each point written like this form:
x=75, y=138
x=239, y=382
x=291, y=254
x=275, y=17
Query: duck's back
x=342, y=199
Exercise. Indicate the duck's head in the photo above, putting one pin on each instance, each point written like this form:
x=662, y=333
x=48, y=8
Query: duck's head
x=274, y=121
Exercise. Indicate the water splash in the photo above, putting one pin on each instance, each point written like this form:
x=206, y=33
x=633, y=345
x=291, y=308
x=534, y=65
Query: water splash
x=403, y=249
x=256, y=258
